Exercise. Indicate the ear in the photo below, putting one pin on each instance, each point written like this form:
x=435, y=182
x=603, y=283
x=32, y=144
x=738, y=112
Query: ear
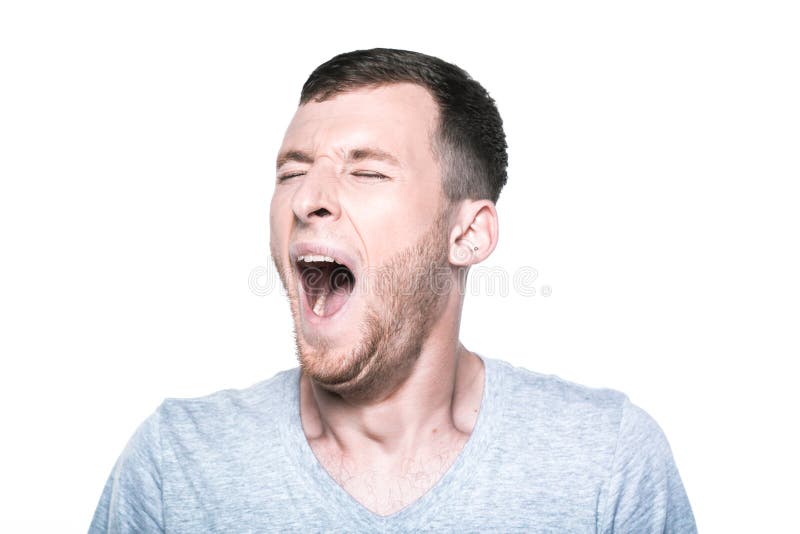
x=474, y=233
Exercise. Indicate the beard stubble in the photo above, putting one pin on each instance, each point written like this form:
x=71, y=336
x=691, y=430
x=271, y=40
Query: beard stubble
x=407, y=295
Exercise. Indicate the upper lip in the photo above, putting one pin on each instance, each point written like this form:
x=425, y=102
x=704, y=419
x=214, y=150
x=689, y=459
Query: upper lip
x=339, y=255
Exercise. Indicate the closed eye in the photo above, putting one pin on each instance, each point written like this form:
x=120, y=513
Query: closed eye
x=370, y=175
x=284, y=177
x=374, y=175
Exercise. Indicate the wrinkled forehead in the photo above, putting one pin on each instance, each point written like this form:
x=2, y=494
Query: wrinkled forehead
x=398, y=118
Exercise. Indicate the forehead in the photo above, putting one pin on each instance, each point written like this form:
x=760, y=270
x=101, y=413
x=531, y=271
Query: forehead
x=400, y=118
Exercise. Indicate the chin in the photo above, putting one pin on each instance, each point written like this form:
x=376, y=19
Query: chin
x=329, y=364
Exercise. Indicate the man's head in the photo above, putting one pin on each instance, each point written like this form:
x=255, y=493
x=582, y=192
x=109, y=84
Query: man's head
x=386, y=182
x=469, y=139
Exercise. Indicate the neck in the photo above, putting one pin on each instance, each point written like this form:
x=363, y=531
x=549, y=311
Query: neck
x=438, y=397
x=436, y=402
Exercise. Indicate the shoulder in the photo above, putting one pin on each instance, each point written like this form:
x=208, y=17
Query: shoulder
x=532, y=396
x=592, y=434
x=549, y=414
x=223, y=411
x=213, y=419
x=258, y=396
x=182, y=438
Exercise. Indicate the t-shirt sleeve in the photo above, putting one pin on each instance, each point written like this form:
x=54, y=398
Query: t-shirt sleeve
x=645, y=492
x=131, y=500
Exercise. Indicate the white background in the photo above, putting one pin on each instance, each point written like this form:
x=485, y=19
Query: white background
x=653, y=185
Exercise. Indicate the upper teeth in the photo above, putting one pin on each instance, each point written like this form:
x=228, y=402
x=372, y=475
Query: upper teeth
x=312, y=257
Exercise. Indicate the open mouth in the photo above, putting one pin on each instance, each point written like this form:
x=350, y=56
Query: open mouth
x=327, y=284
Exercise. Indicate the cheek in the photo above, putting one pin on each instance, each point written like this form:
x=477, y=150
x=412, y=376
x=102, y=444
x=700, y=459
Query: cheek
x=279, y=214
x=388, y=226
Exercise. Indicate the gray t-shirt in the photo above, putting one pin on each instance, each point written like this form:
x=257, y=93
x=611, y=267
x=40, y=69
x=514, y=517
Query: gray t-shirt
x=545, y=455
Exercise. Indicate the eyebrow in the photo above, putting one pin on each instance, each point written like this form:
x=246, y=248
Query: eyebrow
x=360, y=154
x=293, y=155
x=356, y=154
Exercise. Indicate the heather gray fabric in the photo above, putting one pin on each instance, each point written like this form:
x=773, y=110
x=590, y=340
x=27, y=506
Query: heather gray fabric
x=545, y=456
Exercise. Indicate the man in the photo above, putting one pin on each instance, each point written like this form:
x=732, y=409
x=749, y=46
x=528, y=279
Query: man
x=385, y=196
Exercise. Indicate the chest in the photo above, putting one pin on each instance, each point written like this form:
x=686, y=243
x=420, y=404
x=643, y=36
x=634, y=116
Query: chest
x=268, y=496
x=386, y=488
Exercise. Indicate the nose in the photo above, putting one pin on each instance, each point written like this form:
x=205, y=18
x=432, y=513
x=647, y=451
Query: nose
x=316, y=198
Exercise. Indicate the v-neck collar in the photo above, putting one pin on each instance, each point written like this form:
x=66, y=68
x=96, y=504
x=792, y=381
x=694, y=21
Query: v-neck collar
x=334, y=497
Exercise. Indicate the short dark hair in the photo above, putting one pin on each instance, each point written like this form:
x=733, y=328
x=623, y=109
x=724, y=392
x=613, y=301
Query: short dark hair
x=470, y=142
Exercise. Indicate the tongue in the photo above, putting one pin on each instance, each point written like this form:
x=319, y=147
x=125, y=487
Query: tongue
x=319, y=306
x=330, y=301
